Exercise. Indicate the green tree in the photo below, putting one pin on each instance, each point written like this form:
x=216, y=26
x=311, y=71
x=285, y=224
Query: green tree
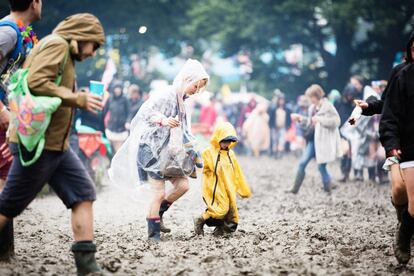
x=367, y=35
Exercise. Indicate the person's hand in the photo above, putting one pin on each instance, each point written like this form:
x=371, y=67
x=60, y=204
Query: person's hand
x=361, y=104
x=4, y=118
x=5, y=152
x=394, y=152
x=171, y=122
x=314, y=120
x=127, y=126
x=93, y=103
x=295, y=117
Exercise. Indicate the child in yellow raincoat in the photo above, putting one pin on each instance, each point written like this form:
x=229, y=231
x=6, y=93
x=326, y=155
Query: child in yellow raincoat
x=222, y=180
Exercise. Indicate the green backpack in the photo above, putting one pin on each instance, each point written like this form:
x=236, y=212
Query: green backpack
x=31, y=114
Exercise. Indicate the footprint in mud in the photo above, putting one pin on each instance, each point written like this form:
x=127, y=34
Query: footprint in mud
x=113, y=265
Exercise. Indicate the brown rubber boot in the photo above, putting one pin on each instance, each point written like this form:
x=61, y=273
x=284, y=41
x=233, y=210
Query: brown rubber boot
x=198, y=225
x=165, y=205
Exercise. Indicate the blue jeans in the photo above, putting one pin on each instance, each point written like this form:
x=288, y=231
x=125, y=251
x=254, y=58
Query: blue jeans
x=307, y=156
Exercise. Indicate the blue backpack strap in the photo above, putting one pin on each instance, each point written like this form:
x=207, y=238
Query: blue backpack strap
x=19, y=43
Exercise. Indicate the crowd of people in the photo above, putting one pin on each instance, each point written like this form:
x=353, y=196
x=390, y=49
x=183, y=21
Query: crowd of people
x=153, y=140
x=274, y=127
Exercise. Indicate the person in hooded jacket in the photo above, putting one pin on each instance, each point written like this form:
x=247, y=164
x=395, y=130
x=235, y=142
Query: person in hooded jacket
x=118, y=108
x=151, y=131
x=223, y=179
x=397, y=137
x=74, y=39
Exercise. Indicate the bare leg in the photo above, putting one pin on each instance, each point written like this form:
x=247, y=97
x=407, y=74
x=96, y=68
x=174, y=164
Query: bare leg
x=180, y=188
x=158, y=191
x=398, y=189
x=3, y=221
x=408, y=175
x=82, y=221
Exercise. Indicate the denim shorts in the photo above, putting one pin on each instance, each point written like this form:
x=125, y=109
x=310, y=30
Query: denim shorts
x=62, y=170
x=146, y=159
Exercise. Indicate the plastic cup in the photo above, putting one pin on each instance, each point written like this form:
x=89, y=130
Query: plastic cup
x=96, y=87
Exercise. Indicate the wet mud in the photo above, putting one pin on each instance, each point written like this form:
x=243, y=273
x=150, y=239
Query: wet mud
x=347, y=233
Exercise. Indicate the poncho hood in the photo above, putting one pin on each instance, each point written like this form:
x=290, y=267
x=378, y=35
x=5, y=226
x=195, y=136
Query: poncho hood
x=221, y=132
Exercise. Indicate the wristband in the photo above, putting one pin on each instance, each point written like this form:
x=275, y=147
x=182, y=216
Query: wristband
x=159, y=121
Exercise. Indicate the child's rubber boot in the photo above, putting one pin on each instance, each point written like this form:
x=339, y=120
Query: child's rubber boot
x=154, y=229
x=199, y=225
x=165, y=205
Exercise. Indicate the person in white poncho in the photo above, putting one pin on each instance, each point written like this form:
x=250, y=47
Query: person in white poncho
x=149, y=136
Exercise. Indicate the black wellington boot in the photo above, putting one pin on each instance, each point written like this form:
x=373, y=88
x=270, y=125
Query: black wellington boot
x=165, y=205
x=84, y=253
x=402, y=246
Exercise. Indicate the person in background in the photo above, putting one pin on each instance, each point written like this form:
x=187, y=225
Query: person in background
x=135, y=102
x=302, y=109
x=323, y=140
x=282, y=121
x=356, y=86
x=118, y=108
x=208, y=114
x=256, y=130
x=93, y=120
x=344, y=106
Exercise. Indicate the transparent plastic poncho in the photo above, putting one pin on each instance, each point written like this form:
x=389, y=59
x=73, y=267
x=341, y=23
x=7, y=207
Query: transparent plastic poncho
x=148, y=138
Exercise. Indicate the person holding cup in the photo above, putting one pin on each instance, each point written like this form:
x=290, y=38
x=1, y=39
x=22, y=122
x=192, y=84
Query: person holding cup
x=75, y=39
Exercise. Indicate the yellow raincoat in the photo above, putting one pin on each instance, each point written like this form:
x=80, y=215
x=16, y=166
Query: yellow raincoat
x=222, y=178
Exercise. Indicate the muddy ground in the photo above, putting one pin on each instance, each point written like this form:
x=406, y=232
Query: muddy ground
x=347, y=233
